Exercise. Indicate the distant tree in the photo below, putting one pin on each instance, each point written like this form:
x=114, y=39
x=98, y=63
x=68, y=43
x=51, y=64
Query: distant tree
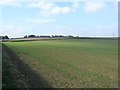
x=58, y=36
x=37, y=36
x=70, y=36
x=25, y=36
x=31, y=36
x=61, y=36
x=45, y=36
x=52, y=35
x=5, y=37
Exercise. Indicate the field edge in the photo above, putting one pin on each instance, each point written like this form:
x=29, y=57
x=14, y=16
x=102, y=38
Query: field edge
x=27, y=78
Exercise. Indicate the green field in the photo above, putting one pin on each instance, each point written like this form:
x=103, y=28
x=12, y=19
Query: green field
x=72, y=63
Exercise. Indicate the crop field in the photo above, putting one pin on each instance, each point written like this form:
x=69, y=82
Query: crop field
x=72, y=63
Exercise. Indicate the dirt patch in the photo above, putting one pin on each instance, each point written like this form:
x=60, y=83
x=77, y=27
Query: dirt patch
x=23, y=76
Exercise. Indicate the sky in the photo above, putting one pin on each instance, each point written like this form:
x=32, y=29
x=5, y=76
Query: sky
x=84, y=19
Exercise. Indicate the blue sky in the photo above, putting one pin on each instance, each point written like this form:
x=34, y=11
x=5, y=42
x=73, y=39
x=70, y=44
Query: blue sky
x=59, y=18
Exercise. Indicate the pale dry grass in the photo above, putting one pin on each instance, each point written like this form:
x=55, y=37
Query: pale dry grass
x=27, y=39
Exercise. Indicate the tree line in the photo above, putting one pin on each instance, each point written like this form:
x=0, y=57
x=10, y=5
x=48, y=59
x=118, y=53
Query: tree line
x=4, y=37
x=35, y=36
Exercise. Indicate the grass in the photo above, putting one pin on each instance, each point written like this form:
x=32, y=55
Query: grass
x=73, y=63
x=8, y=80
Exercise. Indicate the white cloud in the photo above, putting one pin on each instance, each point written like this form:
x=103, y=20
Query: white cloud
x=112, y=26
x=106, y=30
x=42, y=5
x=68, y=30
x=52, y=9
x=8, y=28
x=92, y=6
x=46, y=8
x=100, y=30
x=10, y=2
x=40, y=20
x=13, y=31
x=76, y=5
x=57, y=10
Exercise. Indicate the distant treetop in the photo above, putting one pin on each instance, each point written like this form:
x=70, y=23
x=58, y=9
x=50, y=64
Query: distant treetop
x=4, y=37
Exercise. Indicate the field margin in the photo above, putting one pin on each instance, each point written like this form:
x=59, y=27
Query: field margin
x=32, y=79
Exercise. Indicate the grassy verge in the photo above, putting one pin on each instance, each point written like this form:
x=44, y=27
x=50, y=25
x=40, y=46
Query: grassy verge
x=8, y=80
x=17, y=74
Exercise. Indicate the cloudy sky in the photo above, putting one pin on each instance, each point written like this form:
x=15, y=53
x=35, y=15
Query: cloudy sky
x=58, y=18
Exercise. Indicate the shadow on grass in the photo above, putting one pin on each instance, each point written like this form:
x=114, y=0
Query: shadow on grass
x=31, y=77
